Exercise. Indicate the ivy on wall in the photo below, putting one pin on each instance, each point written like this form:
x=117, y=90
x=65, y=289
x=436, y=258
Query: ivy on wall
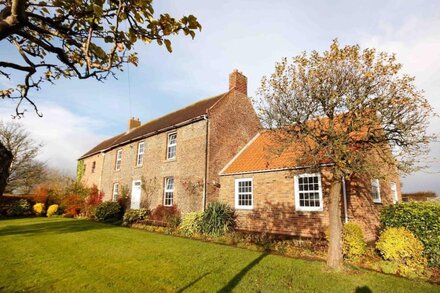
x=80, y=170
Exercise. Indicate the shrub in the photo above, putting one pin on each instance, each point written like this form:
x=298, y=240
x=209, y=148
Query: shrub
x=108, y=211
x=72, y=204
x=192, y=223
x=39, y=209
x=422, y=219
x=218, y=219
x=400, y=247
x=354, y=245
x=92, y=201
x=135, y=215
x=19, y=208
x=52, y=210
x=124, y=198
x=168, y=215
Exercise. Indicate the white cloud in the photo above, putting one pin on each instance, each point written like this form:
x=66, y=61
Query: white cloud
x=65, y=136
x=417, y=45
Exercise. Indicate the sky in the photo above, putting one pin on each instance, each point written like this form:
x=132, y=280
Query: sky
x=248, y=35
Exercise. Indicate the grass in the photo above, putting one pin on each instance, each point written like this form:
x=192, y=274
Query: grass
x=56, y=254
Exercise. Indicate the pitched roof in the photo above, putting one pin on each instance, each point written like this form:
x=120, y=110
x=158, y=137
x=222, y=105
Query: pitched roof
x=163, y=123
x=263, y=153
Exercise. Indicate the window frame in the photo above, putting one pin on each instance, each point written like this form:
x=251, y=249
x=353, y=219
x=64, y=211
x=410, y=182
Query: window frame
x=375, y=183
x=93, y=166
x=139, y=154
x=299, y=208
x=394, y=194
x=115, y=188
x=118, y=161
x=166, y=190
x=174, y=133
x=237, y=194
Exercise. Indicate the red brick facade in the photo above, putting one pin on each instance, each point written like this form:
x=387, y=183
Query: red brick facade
x=274, y=208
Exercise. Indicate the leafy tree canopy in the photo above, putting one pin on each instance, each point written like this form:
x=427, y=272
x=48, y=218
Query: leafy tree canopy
x=78, y=38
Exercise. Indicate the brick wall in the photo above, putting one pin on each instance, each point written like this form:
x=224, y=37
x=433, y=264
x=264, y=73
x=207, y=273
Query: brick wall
x=92, y=178
x=274, y=205
x=232, y=124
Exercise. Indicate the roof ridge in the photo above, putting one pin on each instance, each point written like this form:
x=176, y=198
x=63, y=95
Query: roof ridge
x=186, y=107
x=159, y=124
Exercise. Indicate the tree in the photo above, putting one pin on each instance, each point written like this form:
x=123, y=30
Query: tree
x=78, y=38
x=5, y=163
x=25, y=171
x=349, y=107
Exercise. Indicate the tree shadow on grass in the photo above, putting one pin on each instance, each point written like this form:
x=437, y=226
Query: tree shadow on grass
x=193, y=282
x=52, y=227
x=237, y=278
x=364, y=289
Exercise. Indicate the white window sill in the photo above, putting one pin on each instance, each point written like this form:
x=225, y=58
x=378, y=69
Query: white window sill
x=301, y=209
x=246, y=208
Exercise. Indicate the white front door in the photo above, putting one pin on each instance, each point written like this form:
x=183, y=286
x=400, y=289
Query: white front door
x=394, y=192
x=136, y=195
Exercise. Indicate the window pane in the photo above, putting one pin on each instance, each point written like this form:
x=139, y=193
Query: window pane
x=308, y=191
x=244, y=193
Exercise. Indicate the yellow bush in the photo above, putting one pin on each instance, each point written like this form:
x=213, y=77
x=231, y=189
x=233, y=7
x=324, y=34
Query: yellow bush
x=52, y=210
x=39, y=209
x=354, y=245
x=403, y=250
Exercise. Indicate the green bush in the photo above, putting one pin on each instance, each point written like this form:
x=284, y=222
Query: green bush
x=19, y=208
x=134, y=215
x=354, y=245
x=192, y=223
x=218, y=219
x=108, y=211
x=422, y=219
x=403, y=251
x=52, y=210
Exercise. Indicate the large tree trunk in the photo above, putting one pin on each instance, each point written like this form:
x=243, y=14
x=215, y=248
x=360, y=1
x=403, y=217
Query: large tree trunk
x=334, y=258
x=5, y=162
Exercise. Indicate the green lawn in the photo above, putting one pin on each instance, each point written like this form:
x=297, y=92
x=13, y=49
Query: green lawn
x=58, y=254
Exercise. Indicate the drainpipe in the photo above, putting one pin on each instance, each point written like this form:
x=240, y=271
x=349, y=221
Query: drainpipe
x=205, y=181
x=344, y=193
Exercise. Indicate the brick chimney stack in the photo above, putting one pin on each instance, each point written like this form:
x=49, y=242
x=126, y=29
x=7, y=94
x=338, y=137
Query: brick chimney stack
x=238, y=82
x=133, y=123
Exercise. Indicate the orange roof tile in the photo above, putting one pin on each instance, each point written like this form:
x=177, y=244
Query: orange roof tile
x=265, y=152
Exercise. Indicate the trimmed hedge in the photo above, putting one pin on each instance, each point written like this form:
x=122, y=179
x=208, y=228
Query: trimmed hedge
x=422, y=219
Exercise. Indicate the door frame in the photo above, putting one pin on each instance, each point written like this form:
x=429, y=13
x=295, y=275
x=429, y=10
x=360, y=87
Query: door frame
x=140, y=193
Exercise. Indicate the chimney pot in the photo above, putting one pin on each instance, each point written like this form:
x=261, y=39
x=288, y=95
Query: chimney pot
x=238, y=82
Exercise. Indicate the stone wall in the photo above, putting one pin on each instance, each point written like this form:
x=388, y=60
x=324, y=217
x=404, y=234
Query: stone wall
x=187, y=168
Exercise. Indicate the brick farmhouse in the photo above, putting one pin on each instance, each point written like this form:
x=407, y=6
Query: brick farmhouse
x=178, y=156
x=215, y=150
